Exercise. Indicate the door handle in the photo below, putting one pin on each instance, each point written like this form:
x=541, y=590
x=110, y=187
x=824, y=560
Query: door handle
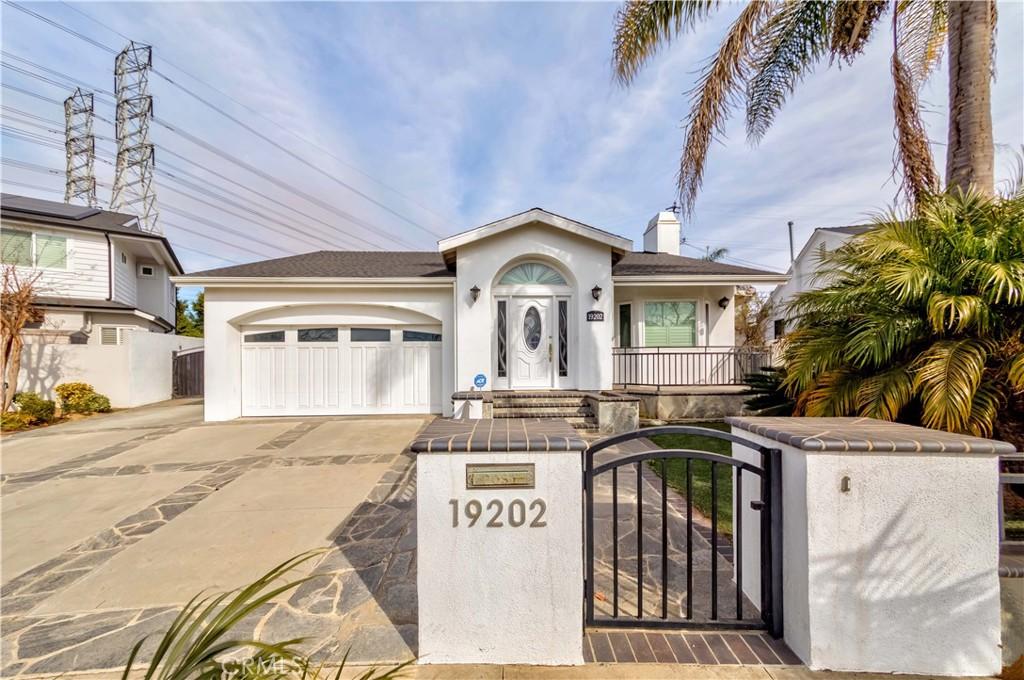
x=551, y=351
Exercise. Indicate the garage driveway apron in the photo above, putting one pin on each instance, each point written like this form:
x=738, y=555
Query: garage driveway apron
x=107, y=532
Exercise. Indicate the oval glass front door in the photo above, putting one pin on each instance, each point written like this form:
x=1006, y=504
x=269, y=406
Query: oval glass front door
x=531, y=328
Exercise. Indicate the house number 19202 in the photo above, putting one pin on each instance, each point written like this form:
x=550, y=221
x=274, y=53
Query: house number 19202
x=517, y=513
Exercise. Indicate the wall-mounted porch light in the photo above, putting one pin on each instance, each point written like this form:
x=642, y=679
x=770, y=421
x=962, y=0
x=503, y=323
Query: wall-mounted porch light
x=474, y=293
x=723, y=303
x=596, y=292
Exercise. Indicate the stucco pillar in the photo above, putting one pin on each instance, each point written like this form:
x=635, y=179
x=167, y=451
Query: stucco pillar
x=890, y=544
x=500, y=546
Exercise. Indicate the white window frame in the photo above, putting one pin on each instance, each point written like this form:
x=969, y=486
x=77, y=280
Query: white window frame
x=35, y=255
x=696, y=320
x=152, y=270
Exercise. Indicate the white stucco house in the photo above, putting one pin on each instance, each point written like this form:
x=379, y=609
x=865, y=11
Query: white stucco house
x=103, y=287
x=803, y=274
x=532, y=302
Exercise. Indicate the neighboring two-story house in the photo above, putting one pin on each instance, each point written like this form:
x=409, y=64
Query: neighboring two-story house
x=103, y=286
x=100, y=274
x=803, y=274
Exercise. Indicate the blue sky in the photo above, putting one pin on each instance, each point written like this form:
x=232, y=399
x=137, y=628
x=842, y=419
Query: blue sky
x=455, y=114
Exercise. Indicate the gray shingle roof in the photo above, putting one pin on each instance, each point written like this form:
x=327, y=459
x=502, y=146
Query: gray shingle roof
x=655, y=264
x=372, y=264
x=430, y=264
x=852, y=229
x=58, y=214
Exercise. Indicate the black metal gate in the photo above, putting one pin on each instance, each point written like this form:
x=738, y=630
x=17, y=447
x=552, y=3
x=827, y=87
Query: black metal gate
x=624, y=607
x=187, y=373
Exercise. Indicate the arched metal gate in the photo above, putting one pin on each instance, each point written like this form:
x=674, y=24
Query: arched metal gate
x=681, y=576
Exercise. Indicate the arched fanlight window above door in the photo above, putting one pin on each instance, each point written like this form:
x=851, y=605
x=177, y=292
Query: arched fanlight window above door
x=532, y=273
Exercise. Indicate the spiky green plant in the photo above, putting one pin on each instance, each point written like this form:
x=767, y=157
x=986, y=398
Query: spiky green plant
x=920, y=319
x=203, y=633
x=768, y=396
x=773, y=44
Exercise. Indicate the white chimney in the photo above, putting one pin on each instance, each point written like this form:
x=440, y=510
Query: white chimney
x=662, y=235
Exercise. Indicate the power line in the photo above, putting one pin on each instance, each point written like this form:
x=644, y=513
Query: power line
x=256, y=171
x=257, y=112
x=59, y=26
x=79, y=149
x=242, y=124
x=316, y=238
x=274, y=180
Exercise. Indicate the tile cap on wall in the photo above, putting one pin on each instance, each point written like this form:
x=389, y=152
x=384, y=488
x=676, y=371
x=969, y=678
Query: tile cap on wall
x=864, y=435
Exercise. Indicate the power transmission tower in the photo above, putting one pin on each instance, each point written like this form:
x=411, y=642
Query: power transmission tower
x=133, y=176
x=79, y=149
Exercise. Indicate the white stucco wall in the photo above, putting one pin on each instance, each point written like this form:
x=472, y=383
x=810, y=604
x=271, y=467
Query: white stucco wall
x=227, y=309
x=586, y=263
x=134, y=373
x=897, y=575
x=500, y=595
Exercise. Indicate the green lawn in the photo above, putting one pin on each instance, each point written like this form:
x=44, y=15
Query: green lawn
x=701, y=471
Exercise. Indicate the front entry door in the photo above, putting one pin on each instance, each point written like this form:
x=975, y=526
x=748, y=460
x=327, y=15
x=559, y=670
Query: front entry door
x=533, y=348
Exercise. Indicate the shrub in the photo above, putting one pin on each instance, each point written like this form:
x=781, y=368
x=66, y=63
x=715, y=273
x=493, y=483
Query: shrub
x=34, y=407
x=97, y=403
x=13, y=421
x=79, y=397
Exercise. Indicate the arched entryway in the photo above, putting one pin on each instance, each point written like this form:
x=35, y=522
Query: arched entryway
x=534, y=341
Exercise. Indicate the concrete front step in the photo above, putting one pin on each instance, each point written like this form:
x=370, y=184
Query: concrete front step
x=534, y=402
x=537, y=412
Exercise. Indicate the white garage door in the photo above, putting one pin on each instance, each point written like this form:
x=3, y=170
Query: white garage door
x=339, y=370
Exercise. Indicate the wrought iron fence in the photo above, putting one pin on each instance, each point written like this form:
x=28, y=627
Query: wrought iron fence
x=686, y=366
x=1011, y=498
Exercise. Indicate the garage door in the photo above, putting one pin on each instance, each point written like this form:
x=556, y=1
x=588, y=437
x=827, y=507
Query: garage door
x=341, y=370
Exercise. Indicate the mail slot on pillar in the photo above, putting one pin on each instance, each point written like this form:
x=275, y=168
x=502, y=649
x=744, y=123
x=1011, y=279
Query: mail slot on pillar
x=499, y=519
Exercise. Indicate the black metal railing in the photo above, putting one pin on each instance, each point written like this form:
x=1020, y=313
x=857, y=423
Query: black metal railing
x=686, y=366
x=769, y=505
x=1011, y=498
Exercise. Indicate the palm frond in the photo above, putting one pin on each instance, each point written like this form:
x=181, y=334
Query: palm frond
x=642, y=26
x=1016, y=372
x=913, y=153
x=884, y=395
x=954, y=313
x=721, y=82
x=790, y=43
x=833, y=394
x=985, y=408
x=948, y=375
x=921, y=36
x=202, y=630
x=852, y=24
x=877, y=339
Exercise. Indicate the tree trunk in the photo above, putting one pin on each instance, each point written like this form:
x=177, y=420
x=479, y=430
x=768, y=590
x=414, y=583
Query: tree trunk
x=970, y=157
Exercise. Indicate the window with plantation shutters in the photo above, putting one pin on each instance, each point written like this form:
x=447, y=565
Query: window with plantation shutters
x=670, y=324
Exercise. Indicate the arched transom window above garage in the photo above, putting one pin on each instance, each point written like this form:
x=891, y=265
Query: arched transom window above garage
x=532, y=273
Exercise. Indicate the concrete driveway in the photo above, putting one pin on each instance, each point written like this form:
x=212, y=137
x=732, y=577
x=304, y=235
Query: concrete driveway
x=111, y=523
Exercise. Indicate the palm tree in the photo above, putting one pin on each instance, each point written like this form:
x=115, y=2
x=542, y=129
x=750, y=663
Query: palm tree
x=920, y=319
x=773, y=44
x=715, y=254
